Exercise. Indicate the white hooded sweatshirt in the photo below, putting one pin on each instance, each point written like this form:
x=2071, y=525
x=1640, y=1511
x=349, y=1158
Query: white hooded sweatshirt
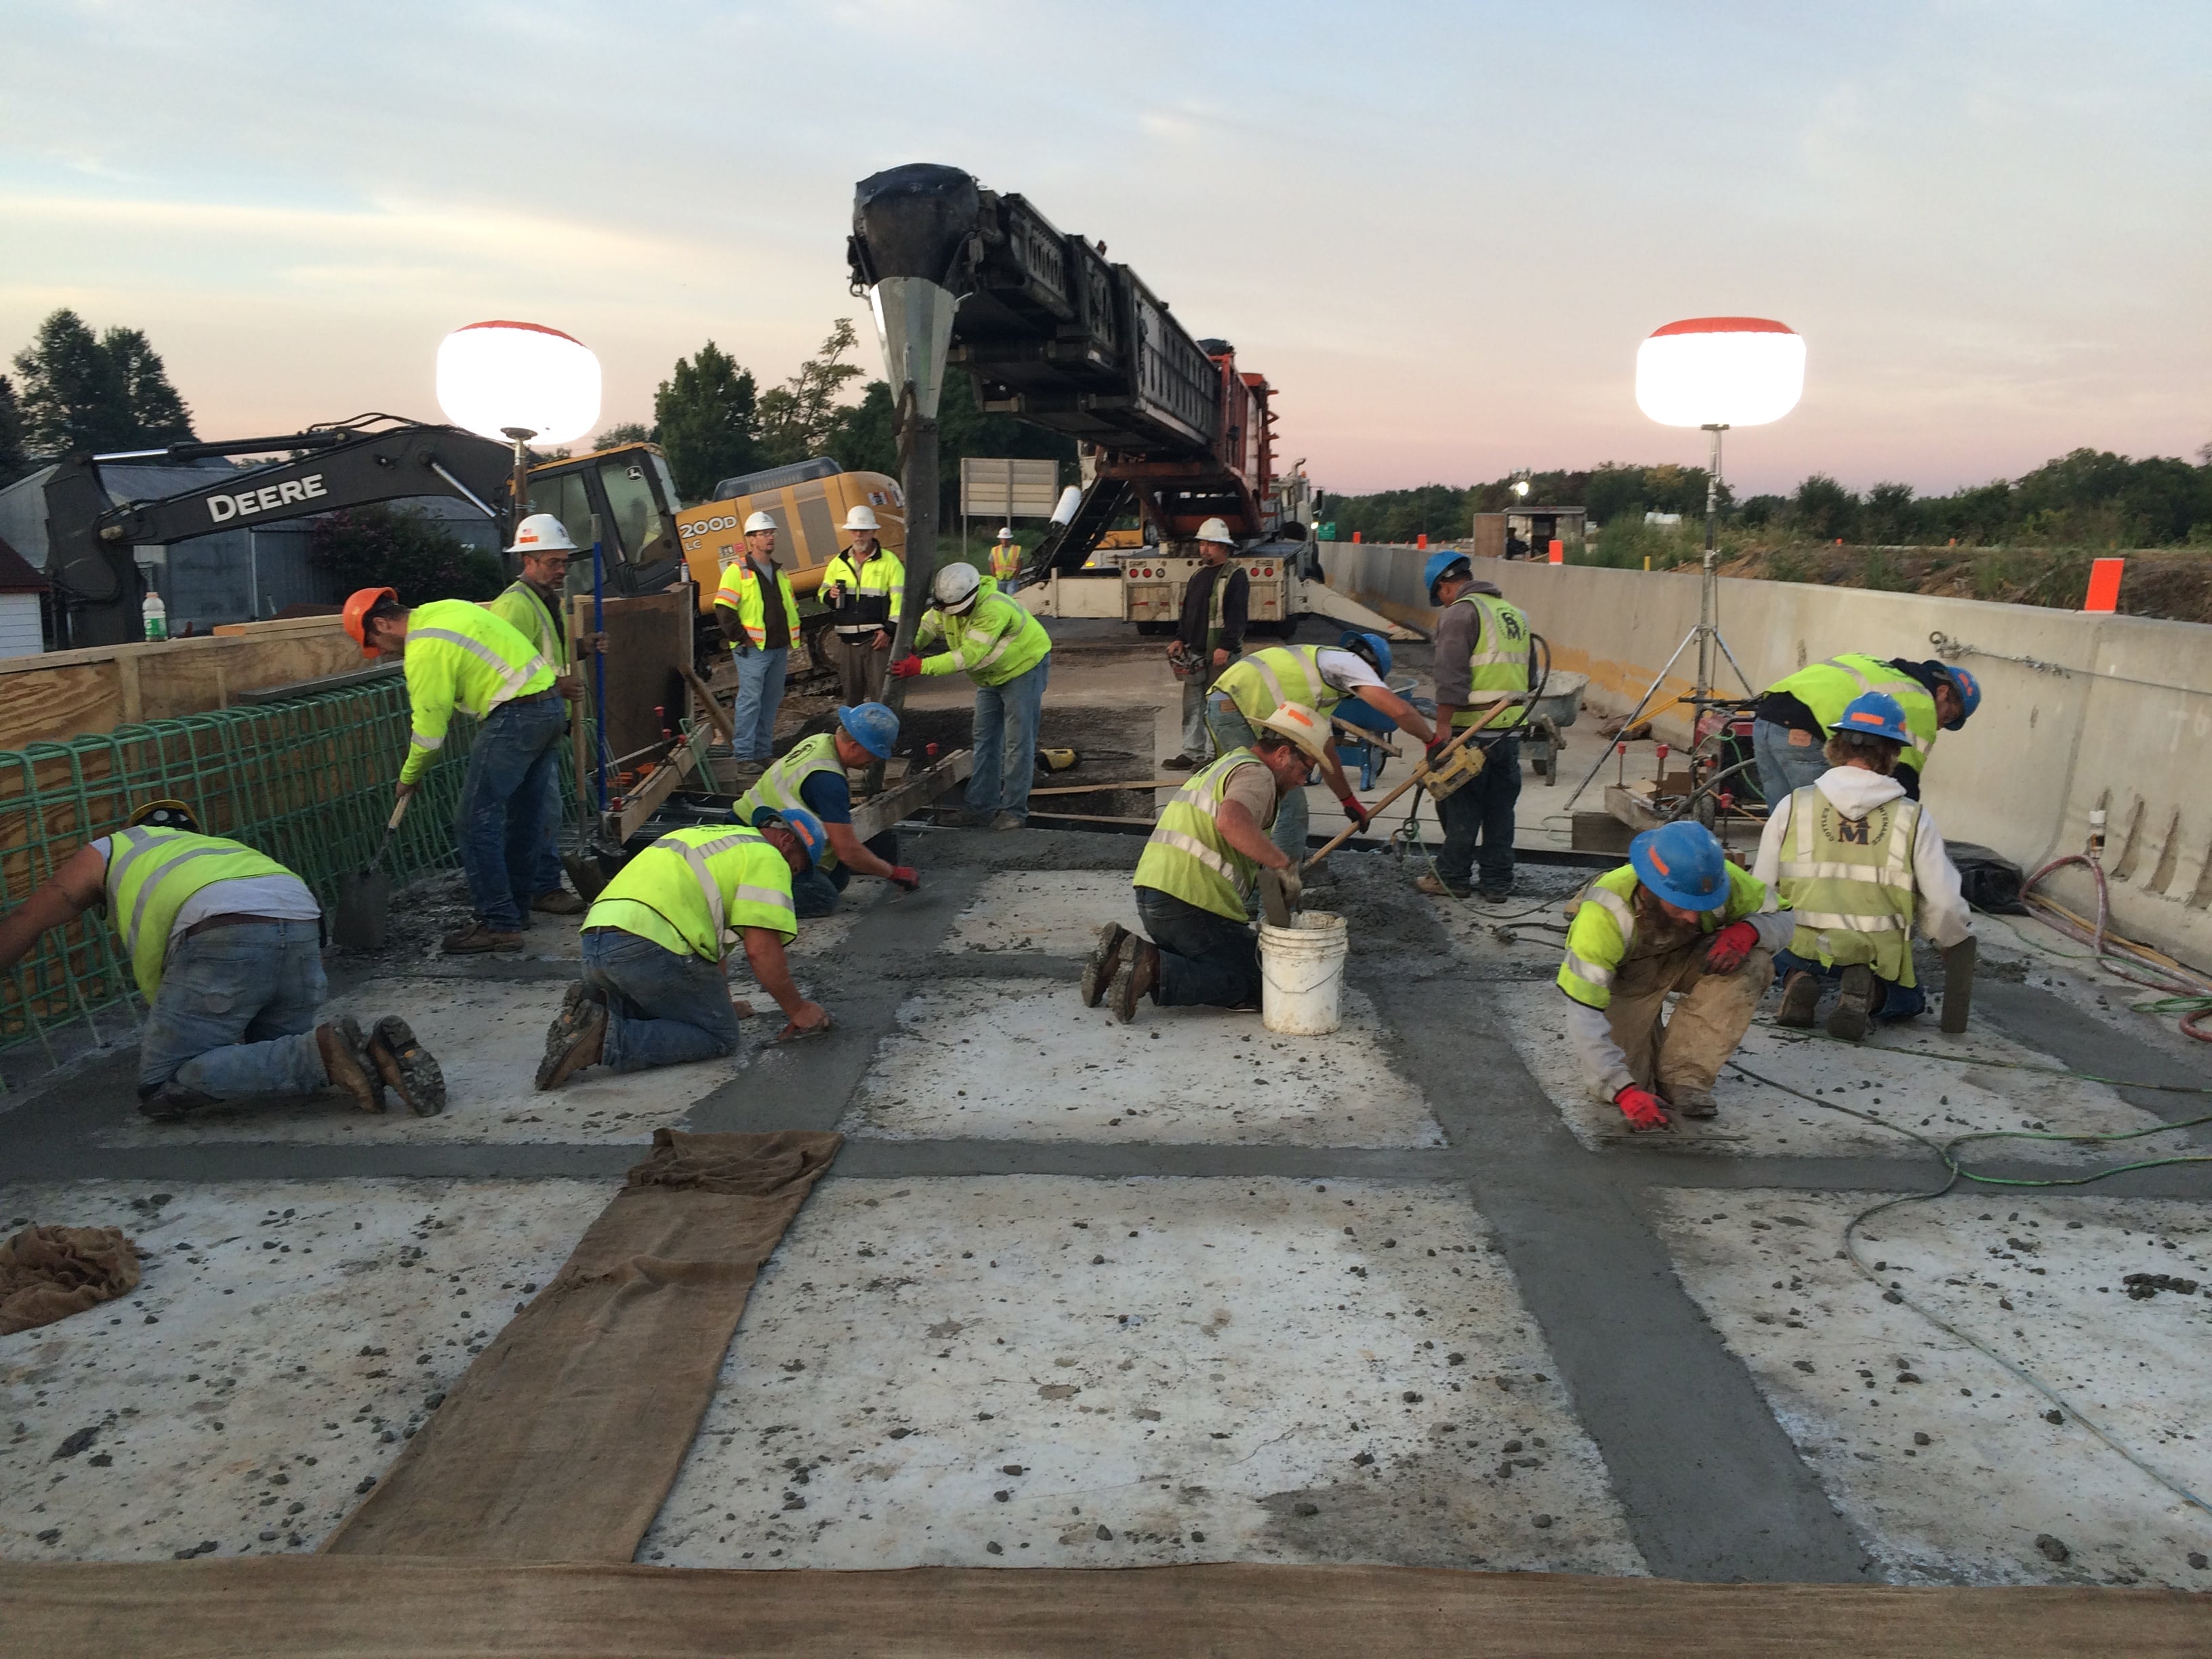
x=1940, y=913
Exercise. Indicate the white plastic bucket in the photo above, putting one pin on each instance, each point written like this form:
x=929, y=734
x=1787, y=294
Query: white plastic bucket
x=1302, y=974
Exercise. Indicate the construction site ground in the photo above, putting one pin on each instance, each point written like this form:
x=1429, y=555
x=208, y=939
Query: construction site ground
x=1076, y=1294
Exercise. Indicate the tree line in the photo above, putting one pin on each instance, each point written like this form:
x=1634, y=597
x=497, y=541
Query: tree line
x=74, y=390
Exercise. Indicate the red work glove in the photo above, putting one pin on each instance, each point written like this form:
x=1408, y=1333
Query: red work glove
x=906, y=666
x=1730, y=946
x=905, y=876
x=1643, y=1108
x=1353, y=810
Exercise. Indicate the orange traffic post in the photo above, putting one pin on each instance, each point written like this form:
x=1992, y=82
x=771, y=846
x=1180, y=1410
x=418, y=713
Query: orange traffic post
x=1559, y=552
x=2103, y=584
x=1355, y=536
x=1421, y=540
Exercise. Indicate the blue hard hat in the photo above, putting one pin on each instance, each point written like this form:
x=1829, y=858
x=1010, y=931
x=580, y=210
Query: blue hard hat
x=813, y=839
x=1682, y=862
x=873, y=725
x=1373, y=646
x=1969, y=695
x=1874, y=714
x=1438, y=565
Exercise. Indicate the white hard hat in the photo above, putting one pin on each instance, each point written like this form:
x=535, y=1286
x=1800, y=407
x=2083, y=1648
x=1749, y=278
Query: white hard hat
x=1005, y=532
x=1301, y=726
x=758, y=522
x=542, y=532
x=956, y=586
x=861, y=518
x=1216, y=530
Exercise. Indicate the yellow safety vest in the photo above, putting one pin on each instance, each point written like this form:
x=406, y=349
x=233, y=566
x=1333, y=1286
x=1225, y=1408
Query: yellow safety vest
x=779, y=786
x=1498, y=666
x=150, y=874
x=740, y=590
x=1604, y=928
x=520, y=609
x=1848, y=881
x=461, y=656
x=1827, y=689
x=997, y=641
x=1263, y=682
x=1005, y=559
x=1189, y=858
x=881, y=577
x=693, y=888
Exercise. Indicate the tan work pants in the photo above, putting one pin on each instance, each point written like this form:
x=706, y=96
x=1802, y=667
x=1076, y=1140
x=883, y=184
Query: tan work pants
x=1683, y=1054
x=859, y=666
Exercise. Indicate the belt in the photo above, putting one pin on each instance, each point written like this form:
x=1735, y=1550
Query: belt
x=235, y=919
x=534, y=696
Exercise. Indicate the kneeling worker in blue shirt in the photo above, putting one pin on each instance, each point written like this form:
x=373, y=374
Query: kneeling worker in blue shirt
x=812, y=775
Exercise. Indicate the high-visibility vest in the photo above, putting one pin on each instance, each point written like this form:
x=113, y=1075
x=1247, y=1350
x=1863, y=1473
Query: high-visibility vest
x=1827, y=689
x=780, y=785
x=150, y=874
x=461, y=656
x=1189, y=858
x=1498, y=664
x=740, y=590
x=1005, y=560
x=693, y=888
x=1848, y=883
x=997, y=641
x=877, y=587
x=1604, y=929
x=1263, y=682
x=521, y=609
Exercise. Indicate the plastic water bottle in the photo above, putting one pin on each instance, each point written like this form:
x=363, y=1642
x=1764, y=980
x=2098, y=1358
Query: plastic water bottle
x=157, y=616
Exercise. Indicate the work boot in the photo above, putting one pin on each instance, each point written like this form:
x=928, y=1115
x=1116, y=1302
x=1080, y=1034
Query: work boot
x=1491, y=893
x=1105, y=959
x=476, y=939
x=341, y=1046
x=1007, y=821
x=406, y=1066
x=1177, y=763
x=1854, y=1004
x=576, y=1038
x=964, y=818
x=171, y=1101
x=1436, y=887
x=1137, y=978
x=559, y=903
x=1694, y=1102
x=1800, y=995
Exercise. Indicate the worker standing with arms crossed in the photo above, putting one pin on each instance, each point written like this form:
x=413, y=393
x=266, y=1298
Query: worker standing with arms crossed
x=812, y=775
x=1858, y=862
x=1793, y=717
x=1677, y=917
x=1481, y=658
x=532, y=606
x=1194, y=878
x=226, y=947
x=863, y=586
x=1217, y=604
x=1005, y=560
x=655, y=990
x=759, y=619
x=459, y=655
x=1007, y=654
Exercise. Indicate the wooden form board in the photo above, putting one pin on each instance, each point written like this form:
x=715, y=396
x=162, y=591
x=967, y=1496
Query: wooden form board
x=648, y=645
x=872, y=816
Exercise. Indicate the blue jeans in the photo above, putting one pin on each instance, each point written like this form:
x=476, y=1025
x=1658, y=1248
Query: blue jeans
x=1204, y=959
x=760, y=690
x=546, y=870
x=1785, y=768
x=662, y=1009
x=1006, y=720
x=1477, y=820
x=512, y=768
x=815, y=894
x=235, y=1014
x=1892, y=1002
x=1231, y=731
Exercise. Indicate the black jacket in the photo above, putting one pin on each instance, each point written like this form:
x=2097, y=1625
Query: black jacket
x=1197, y=608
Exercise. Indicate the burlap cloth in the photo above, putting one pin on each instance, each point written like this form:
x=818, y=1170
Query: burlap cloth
x=50, y=1272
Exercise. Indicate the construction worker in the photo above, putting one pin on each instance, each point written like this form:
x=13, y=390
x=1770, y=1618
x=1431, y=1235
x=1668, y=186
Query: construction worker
x=1217, y=603
x=1313, y=677
x=1858, y=862
x=862, y=587
x=1005, y=560
x=1793, y=717
x=1008, y=654
x=655, y=990
x=532, y=606
x=226, y=945
x=759, y=619
x=1677, y=917
x=1195, y=875
x=812, y=775
x=1481, y=660
x=459, y=655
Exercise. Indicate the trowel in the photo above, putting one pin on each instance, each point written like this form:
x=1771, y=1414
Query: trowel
x=1275, y=899
x=365, y=896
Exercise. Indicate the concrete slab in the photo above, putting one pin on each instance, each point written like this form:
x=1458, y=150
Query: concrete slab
x=487, y=1035
x=285, y=1341
x=1937, y=1097
x=1033, y=1371
x=1056, y=912
x=1943, y=1461
x=1023, y=1060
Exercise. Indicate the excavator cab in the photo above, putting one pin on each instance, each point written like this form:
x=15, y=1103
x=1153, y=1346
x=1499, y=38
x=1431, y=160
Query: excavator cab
x=629, y=493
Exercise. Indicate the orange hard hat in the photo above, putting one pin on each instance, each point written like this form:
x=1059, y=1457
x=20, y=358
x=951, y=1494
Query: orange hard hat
x=357, y=608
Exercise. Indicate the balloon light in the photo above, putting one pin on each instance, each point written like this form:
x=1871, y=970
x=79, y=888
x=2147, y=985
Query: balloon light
x=496, y=378
x=1720, y=371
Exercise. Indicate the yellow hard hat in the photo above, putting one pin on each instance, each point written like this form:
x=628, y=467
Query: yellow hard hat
x=165, y=815
x=1302, y=726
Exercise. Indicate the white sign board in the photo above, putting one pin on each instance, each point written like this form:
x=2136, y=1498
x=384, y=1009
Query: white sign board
x=1003, y=488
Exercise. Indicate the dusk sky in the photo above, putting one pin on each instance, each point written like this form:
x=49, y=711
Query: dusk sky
x=1440, y=229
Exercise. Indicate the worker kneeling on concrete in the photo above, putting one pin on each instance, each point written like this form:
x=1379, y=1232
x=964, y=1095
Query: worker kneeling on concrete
x=226, y=944
x=656, y=990
x=812, y=775
x=1677, y=917
x=1793, y=717
x=1008, y=654
x=1194, y=878
x=1857, y=863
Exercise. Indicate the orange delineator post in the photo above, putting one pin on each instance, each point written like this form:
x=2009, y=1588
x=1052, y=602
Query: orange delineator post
x=1421, y=540
x=1559, y=552
x=2103, y=584
x=1355, y=535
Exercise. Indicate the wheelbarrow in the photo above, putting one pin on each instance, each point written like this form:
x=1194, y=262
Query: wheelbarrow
x=1554, y=711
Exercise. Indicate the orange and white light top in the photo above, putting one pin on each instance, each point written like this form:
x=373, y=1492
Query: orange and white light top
x=495, y=375
x=1720, y=371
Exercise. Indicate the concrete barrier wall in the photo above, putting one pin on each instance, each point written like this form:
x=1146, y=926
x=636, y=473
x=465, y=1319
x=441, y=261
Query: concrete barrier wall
x=2110, y=711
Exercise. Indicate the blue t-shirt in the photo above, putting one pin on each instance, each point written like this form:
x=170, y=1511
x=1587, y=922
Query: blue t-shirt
x=825, y=794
